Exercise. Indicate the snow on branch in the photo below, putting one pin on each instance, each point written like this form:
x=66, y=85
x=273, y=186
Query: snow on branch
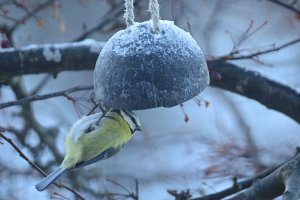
x=55, y=58
x=49, y=58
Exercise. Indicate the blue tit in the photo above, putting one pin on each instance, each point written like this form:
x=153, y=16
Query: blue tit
x=93, y=138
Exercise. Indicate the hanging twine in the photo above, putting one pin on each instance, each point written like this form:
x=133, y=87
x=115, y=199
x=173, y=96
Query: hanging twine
x=154, y=11
x=129, y=15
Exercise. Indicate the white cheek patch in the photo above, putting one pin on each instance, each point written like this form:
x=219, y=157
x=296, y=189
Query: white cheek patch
x=81, y=125
x=128, y=120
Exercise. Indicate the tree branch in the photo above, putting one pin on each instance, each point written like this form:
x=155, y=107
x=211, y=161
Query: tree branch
x=268, y=185
x=274, y=184
x=49, y=58
x=47, y=133
x=236, y=187
x=30, y=14
x=114, y=12
x=251, y=84
x=227, y=76
x=28, y=99
x=237, y=56
x=289, y=7
x=291, y=178
x=37, y=168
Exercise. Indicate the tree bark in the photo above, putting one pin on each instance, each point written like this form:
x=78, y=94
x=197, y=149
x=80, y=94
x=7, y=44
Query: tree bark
x=55, y=58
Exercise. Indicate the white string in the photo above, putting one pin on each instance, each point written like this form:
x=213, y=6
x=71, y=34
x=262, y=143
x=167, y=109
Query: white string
x=129, y=15
x=154, y=11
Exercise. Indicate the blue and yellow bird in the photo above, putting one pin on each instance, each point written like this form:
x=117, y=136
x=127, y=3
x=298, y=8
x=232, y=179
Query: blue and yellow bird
x=93, y=138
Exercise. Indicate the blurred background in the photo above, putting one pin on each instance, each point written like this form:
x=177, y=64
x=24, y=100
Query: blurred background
x=199, y=146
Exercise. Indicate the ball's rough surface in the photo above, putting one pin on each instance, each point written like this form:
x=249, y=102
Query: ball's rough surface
x=138, y=69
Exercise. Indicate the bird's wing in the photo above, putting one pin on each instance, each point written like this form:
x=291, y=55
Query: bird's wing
x=104, y=155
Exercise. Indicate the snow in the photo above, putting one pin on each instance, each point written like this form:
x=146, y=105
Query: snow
x=133, y=59
x=129, y=40
x=52, y=50
x=164, y=129
x=52, y=54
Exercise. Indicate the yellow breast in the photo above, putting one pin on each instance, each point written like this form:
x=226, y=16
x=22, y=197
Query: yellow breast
x=113, y=132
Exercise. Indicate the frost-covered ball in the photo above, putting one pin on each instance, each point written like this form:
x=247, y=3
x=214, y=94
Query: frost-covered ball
x=138, y=69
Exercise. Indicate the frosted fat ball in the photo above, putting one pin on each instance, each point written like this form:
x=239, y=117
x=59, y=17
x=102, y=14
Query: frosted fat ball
x=138, y=69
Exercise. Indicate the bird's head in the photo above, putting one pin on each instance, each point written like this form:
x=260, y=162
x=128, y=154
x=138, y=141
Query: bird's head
x=132, y=120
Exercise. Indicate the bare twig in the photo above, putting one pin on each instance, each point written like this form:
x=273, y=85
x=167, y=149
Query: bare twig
x=106, y=19
x=251, y=148
x=236, y=187
x=236, y=56
x=283, y=179
x=183, y=195
x=22, y=155
x=129, y=194
x=118, y=184
x=40, y=85
x=275, y=184
x=245, y=35
x=8, y=17
x=45, y=133
x=37, y=168
x=137, y=189
x=64, y=93
x=289, y=7
x=30, y=14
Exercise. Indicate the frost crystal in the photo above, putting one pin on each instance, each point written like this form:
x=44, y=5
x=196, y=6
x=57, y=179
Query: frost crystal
x=139, y=69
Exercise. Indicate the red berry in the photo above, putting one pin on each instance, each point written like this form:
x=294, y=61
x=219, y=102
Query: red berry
x=5, y=44
x=186, y=118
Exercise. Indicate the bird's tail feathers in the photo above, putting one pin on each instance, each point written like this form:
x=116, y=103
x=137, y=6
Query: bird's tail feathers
x=50, y=179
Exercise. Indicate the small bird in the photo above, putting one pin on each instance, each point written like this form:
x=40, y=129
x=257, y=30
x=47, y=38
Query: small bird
x=93, y=138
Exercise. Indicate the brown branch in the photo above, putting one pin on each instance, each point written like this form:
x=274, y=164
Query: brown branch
x=289, y=7
x=37, y=168
x=32, y=98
